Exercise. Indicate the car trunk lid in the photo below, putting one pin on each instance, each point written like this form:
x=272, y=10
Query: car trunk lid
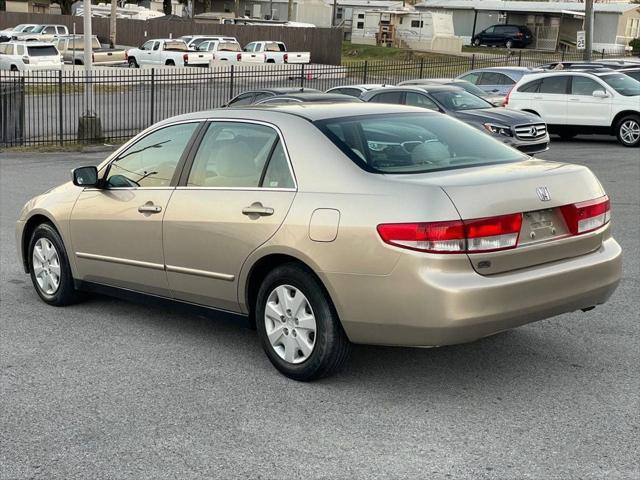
x=535, y=188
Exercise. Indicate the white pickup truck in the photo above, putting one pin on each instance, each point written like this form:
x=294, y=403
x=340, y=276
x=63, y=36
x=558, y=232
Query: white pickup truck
x=214, y=50
x=157, y=52
x=276, y=52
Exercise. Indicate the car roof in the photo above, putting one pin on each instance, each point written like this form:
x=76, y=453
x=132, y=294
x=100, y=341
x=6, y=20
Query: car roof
x=284, y=90
x=503, y=69
x=317, y=97
x=311, y=111
x=30, y=43
x=595, y=72
x=427, y=88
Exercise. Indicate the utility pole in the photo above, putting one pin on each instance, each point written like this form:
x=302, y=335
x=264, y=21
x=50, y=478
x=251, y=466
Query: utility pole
x=89, y=126
x=588, y=30
x=333, y=13
x=112, y=24
x=290, y=11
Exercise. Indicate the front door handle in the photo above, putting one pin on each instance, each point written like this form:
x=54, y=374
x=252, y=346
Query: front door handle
x=257, y=209
x=149, y=208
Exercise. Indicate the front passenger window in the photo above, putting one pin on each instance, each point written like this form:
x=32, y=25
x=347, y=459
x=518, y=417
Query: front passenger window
x=152, y=161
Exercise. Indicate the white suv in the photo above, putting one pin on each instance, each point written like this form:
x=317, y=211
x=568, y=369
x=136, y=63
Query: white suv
x=29, y=56
x=577, y=102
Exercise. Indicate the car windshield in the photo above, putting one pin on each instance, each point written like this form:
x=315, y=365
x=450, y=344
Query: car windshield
x=37, y=29
x=176, y=45
x=460, y=100
x=471, y=88
x=414, y=143
x=623, y=84
x=229, y=47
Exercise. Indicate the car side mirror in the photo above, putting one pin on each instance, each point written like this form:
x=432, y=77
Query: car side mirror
x=600, y=94
x=85, y=176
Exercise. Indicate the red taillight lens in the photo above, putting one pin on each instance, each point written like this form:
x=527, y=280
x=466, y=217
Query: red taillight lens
x=587, y=216
x=126, y=55
x=185, y=57
x=239, y=57
x=506, y=99
x=457, y=236
x=285, y=57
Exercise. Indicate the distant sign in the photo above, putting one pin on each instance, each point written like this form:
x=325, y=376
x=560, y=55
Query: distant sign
x=580, y=40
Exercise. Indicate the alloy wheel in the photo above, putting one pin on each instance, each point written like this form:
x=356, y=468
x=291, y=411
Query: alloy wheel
x=290, y=324
x=46, y=266
x=630, y=131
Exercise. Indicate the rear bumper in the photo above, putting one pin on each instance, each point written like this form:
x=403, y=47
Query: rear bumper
x=421, y=305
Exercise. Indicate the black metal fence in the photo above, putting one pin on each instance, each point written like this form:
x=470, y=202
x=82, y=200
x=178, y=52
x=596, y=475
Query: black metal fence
x=46, y=107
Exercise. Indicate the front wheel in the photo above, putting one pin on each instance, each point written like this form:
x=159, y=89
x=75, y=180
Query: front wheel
x=133, y=63
x=628, y=131
x=298, y=325
x=476, y=42
x=49, y=267
x=509, y=44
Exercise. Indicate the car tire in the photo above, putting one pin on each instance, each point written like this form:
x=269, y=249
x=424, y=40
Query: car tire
x=14, y=68
x=509, y=44
x=628, y=130
x=476, y=42
x=49, y=267
x=298, y=325
x=133, y=63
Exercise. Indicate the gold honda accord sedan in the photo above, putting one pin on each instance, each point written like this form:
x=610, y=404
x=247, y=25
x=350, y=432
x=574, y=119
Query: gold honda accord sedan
x=326, y=225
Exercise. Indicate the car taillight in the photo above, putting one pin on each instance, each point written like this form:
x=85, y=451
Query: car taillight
x=93, y=57
x=519, y=34
x=285, y=57
x=126, y=55
x=506, y=99
x=456, y=236
x=239, y=57
x=185, y=57
x=587, y=216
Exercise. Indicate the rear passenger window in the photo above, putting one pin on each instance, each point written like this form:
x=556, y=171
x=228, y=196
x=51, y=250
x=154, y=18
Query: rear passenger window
x=233, y=155
x=493, y=78
x=471, y=78
x=419, y=100
x=530, y=87
x=554, y=84
x=388, y=97
x=584, y=86
x=278, y=174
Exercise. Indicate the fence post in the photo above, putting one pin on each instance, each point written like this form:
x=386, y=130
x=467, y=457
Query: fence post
x=231, y=83
x=473, y=61
x=364, y=73
x=421, y=67
x=60, y=118
x=153, y=94
x=562, y=56
x=302, y=75
x=603, y=53
x=519, y=58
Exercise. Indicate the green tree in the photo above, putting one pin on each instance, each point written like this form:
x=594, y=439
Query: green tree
x=166, y=7
x=65, y=6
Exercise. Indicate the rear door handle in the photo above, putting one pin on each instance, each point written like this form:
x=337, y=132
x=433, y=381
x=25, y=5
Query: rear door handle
x=149, y=208
x=257, y=209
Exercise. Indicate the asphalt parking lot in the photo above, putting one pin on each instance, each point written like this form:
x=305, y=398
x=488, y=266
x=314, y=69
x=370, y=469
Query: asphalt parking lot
x=110, y=389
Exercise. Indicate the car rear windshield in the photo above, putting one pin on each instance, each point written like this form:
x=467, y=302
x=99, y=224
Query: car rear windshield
x=460, y=100
x=229, y=47
x=176, y=46
x=414, y=143
x=623, y=84
x=42, y=51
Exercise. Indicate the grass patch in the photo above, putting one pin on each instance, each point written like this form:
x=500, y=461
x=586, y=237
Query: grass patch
x=353, y=52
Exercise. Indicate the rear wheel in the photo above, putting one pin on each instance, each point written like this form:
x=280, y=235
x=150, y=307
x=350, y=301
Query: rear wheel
x=508, y=44
x=298, y=326
x=628, y=131
x=476, y=42
x=49, y=267
x=170, y=63
x=14, y=68
x=133, y=63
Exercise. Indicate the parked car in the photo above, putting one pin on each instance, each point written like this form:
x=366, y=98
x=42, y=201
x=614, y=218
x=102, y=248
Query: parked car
x=214, y=50
x=253, y=96
x=72, y=50
x=633, y=72
x=497, y=100
x=194, y=41
x=328, y=224
x=7, y=35
x=497, y=81
x=521, y=130
x=276, y=52
x=42, y=33
x=573, y=102
x=508, y=36
x=356, y=90
x=306, y=97
x=158, y=52
x=29, y=56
